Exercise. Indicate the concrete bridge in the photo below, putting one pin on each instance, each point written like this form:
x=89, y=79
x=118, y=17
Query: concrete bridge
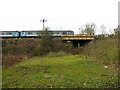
x=78, y=40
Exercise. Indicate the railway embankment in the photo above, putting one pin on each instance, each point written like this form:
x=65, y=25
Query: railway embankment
x=95, y=65
x=104, y=51
x=17, y=50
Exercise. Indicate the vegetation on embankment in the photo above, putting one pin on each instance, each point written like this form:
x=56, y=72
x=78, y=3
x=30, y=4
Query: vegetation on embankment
x=59, y=68
x=104, y=51
x=59, y=72
x=16, y=51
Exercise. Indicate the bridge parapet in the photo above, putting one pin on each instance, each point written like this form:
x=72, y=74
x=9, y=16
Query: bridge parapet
x=78, y=37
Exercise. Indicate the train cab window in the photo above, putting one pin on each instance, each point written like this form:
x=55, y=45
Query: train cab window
x=72, y=33
x=67, y=32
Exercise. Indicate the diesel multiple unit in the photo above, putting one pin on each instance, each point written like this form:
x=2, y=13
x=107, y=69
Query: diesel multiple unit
x=35, y=33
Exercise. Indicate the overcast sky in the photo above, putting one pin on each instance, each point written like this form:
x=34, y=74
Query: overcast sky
x=61, y=14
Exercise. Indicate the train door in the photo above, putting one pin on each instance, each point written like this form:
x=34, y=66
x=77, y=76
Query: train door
x=16, y=34
x=23, y=34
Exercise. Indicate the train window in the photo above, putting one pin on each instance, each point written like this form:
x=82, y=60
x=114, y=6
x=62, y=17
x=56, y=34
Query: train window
x=34, y=33
x=55, y=32
x=64, y=32
x=10, y=33
x=60, y=32
x=29, y=33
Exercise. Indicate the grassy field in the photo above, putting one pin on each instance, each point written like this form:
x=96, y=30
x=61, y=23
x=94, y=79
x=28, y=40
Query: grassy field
x=59, y=72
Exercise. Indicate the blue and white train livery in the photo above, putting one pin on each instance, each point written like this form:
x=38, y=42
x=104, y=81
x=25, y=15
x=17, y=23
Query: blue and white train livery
x=9, y=34
x=33, y=33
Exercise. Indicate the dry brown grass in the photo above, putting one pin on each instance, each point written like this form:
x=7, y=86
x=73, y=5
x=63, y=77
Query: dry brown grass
x=15, y=51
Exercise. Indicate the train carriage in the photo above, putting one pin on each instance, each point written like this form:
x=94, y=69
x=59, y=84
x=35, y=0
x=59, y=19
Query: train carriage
x=9, y=34
x=36, y=33
x=31, y=33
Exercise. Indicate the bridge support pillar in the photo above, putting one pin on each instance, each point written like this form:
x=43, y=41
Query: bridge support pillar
x=78, y=44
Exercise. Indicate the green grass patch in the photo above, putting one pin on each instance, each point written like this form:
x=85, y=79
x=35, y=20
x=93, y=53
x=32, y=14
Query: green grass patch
x=59, y=72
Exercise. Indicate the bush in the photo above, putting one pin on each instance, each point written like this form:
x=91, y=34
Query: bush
x=46, y=42
x=103, y=50
x=14, y=51
x=10, y=60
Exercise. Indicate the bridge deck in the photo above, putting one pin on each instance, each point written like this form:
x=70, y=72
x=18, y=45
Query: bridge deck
x=78, y=37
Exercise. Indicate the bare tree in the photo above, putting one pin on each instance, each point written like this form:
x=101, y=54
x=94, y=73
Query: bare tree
x=46, y=42
x=82, y=31
x=117, y=30
x=103, y=27
x=88, y=29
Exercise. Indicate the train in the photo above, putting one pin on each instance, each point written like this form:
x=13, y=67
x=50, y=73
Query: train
x=33, y=33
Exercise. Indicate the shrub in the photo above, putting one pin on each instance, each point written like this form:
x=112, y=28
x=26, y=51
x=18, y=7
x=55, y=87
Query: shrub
x=103, y=50
x=10, y=60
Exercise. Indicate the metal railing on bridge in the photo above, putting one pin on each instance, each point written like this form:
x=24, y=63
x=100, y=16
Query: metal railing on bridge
x=78, y=37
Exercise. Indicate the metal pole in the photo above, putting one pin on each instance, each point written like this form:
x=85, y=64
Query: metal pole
x=43, y=24
x=43, y=20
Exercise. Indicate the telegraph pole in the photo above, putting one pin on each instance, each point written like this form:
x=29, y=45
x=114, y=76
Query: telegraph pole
x=43, y=20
